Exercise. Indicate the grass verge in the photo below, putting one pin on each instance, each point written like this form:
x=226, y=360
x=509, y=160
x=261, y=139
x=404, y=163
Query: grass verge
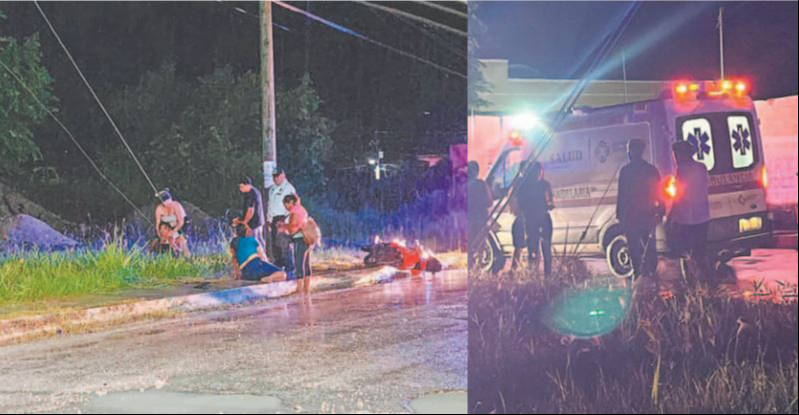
x=696, y=352
x=37, y=277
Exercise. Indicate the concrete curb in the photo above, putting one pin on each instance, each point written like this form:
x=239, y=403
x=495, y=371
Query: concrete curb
x=17, y=330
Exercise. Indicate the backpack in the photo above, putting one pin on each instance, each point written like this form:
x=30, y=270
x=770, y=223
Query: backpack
x=312, y=234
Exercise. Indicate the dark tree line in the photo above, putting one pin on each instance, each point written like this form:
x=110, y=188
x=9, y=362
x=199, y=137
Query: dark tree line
x=181, y=81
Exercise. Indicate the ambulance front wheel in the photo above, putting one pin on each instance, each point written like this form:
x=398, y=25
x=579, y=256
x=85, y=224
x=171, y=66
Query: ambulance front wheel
x=489, y=259
x=619, y=258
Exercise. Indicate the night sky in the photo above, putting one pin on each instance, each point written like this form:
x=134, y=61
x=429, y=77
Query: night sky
x=667, y=40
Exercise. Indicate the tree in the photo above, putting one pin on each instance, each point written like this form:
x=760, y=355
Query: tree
x=477, y=82
x=199, y=137
x=19, y=111
x=304, y=138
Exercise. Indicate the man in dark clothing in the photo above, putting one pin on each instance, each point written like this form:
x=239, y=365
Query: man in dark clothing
x=536, y=200
x=640, y=209
x=690, y=215
x=480, y=202
x=252, y=211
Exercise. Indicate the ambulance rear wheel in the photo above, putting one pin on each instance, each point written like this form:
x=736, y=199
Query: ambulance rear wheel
x=619, y=258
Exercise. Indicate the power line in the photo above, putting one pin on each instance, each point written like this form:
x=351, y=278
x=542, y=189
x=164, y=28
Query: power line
x=96, y=98
x=255, y=16
x=442, y=8
x=351, y=32
x=439, y=41
x=75, y=141
x=415, y=18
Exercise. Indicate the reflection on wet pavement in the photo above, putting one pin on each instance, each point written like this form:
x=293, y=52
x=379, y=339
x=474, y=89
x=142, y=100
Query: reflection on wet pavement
x=158, y=402
x=441, y=403
x=365, y=350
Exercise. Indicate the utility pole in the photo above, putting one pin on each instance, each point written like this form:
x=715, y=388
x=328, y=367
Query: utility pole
x=268, y=124
x=721, y=39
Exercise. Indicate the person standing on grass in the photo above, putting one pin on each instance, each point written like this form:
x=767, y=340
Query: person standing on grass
x=172, y=213
x=690, y=214
x=294, y=240
x=536, y=201
x=249, y=261
x=252, y=211
x=276, y=212
x=640, y=209
x=480, y=201
x=519, y=228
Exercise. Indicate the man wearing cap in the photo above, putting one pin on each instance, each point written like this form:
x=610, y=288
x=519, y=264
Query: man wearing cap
x=276, y=212
x=252, y=211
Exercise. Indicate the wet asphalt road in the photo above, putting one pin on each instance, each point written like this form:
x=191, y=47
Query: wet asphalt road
x=771, y=269
x=369, y=350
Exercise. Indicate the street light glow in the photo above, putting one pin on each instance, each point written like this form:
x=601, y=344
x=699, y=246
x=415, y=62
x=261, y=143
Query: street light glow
x=526, y=121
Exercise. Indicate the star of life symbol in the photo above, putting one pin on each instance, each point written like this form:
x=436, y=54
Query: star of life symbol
x=741, y=139
x=602, y=152
x=699, y=133
x=701, y=142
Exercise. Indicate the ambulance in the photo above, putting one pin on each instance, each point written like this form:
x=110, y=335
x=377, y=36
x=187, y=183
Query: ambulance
x=583, y=156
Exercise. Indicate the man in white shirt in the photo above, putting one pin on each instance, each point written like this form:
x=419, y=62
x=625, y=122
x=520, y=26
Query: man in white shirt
x=276, y=212
x=690, y=215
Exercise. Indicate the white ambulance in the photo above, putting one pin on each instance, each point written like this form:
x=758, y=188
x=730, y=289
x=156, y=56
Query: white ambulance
x=586, y=152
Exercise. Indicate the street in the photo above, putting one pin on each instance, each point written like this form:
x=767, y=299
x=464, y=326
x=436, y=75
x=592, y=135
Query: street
x=766, y=271
x=368, y=350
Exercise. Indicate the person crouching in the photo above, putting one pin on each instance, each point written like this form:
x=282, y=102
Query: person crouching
x=249, y=260
x=164, y=243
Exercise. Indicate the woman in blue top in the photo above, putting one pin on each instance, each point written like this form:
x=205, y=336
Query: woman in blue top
x=249, y=260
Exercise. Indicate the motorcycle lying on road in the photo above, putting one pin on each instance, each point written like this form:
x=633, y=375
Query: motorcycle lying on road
x=416, y=260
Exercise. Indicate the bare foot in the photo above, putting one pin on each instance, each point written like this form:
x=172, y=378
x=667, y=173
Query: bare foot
x=276, y=277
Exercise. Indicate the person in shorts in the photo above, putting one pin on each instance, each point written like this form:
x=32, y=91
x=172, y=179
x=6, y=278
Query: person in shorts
x=249, y=259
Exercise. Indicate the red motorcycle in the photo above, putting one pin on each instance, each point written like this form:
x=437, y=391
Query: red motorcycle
x=417, y=260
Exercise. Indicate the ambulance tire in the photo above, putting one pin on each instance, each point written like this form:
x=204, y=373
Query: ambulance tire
x=618, y=257
x=490, y=259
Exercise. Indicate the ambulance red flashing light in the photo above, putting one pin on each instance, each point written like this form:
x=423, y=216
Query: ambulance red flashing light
x=671, y=189
x=685, y=90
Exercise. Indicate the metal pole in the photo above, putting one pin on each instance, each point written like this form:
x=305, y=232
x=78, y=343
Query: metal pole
x=268, y=124
x=721, y=40
x=624, y=68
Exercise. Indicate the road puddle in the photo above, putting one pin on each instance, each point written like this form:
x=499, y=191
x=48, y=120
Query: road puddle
x=441, y=403
x=162, y=402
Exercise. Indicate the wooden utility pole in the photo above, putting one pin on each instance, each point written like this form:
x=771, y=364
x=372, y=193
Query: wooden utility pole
x=268, y=124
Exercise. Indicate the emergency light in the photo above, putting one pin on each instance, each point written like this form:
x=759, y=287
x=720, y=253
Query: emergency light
x=671, y=188
x=686, y=90
x=764, y=177
x=516, y=138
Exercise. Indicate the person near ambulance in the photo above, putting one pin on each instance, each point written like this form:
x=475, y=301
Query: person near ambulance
x=480, y=201
x=276, y=212
x=689, y=218
x=536, y=201
x=640, y=209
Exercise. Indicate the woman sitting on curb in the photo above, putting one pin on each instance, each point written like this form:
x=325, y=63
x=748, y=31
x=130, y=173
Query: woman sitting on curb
x=249, y=260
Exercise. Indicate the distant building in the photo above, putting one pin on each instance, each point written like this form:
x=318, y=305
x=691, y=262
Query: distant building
x=508, y=95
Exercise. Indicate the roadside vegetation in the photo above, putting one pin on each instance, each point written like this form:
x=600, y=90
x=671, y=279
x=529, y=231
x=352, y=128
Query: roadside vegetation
x=33, y=277
x=693, y=352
